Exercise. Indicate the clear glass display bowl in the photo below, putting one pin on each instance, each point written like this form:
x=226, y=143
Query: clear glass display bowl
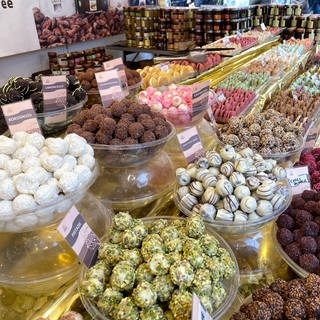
x=134, y=89
x=292, y=264
x=41, y=261
x=56, y=121
x=228, y=227
x=230, y=285
x=122, y=156
x=48, y=214
x=136, y=189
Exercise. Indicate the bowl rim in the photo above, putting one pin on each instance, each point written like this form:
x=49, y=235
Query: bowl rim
x=137, y=146
x=292, y=264
x=76, y=106
x=225, y=225
x=234, y=281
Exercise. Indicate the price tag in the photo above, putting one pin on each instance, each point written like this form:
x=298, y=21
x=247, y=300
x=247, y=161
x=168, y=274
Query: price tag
x=118, y=65
x=263, y=27
x=311, y=138
x=221, y=97
x=226, y=42
x=54, y=90
x=109, y=85
x=20, y=116
x=238, y=34
x=164, y=66
x=299, y=179
x=80, y=237
x=200, y=96
x=190, y=144
x=198, y=310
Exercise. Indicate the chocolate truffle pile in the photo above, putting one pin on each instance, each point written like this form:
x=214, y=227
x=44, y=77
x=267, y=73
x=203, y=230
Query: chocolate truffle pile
x=299, y=108
x=133, y=76
x=298, y=231
x=267, y=132
x=297, y=299
x=123, y=123
x=312, y=160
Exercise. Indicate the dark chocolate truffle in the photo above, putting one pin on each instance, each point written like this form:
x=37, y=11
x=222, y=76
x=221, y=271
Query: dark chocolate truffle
x=309, y=262
x=310, y=228
x=136, y=130
x=258, y=294
x=293, y=251
x=118, y=109
x=79, y=119
x=90, y=125
x=297, y=202
x=275, y=303
x=73, y=128
x=302, y=216
x=285, y=221
x=311, y=206
x=108, y=125
x=161, y=131
x=127, y=117
x=89, y=136
x=135, y=109
x=130, y=140
x=284, y=236
x=239, y=316
x=308, y=195
x=294, y=309
x=102, y=137
x=279, y=286
x=308, y=244
x=258, y=310
x=116, y=142
x=148, y=136
x=121, y=132
x=297, y=234
x=148, y=124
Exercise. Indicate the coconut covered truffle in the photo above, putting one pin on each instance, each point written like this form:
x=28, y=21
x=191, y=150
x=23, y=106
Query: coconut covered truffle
x=123, y=123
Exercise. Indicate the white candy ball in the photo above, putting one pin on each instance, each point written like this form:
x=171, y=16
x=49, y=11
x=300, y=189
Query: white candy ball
x=89, y=150
x=45, y=194
x=23, y=202
x=51, y=163
x=71, y=161
x=39, y=173
x=87, y=160
x=3, y=174
x=7, y=146
x=13, y=167
x=7, y=189
x=26, y=151
x=30, y=162
x=26, y=183
x=58, y=173
x=20, y=138
x=36, y=139
x=3, y=160
x=6, y=213
x=77, y=144
x=69, y=182
x=55, y=183
x=84, y=173
x=57, y=146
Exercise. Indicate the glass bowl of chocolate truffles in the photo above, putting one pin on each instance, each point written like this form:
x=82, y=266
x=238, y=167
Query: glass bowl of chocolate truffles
x=297, y=236
x=124, y=134
x=269, y=133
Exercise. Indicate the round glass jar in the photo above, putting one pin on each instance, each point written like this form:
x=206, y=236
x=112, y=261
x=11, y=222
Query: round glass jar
x=234, y=14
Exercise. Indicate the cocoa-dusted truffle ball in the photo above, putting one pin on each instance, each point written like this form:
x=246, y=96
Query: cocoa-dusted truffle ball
x=312, y=307
x=73, y=128
x=239, y=316
x=130, y=140
x=312, y=284
x=258, y=310
x=159, y=121
x=308, y=245
x=293, y=251
x=127, y=117
x=99, y=118
x=118, y=109
x=148, y=124
x=121, y=132
x=302, y=216
x=108, y=125
x=258, y=294
x=310, y=228
x=285, y=221
x=97, y=108
x=135, y=109
x=275, y=303
x=148, y=136
x=161, y=131
x=136, y=130
x=297, y=202
x=102, y=137
x=297, y=234
x=309, y=262
x=107, y=112
x=89, y=136
x=308, y=195
x=90, y=125
x=80, y=118
x=279, y=286
x=284, y=236
x=296, y=290
x=294, y=309
x=144, y=116
x=311, y=206
x=115, y=142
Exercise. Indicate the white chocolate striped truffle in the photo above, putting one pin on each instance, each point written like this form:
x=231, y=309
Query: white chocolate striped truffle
x=248, y=204
x=241, y=191
x=214, y=158
x=227, y=168
x=227, y=153
x=196, y=188
x=237, y=179
x=264, y=208
x=209, y=181
x=207, y=212
x=224, y=187
x=224, y=215
x=231, y=203
x=210, y=196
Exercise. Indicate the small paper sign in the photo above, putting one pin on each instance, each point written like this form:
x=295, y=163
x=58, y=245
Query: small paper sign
x=54, y=90
x=226, y=42
x=311, y=138
x=109, y=86
x=238, y=34
x=190, y=144
x=263, y=27
x=20, y=116
x=118, y=65
x=294, y=96
x=164, y=66
x=299, y=179
x=200, y=96
x=199, y=312
x=80, y=237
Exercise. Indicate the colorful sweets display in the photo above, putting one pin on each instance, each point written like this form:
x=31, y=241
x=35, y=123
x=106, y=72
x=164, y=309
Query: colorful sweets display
x=298, y=231
x=228, y=103
x=230, y=186
x=311, y=158
x=296, y=299
x=123, y=123
x=150, y=270
x=268, y=133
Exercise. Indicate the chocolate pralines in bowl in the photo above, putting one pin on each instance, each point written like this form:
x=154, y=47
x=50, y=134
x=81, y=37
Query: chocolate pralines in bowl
x=233, y=191
x=124, y=134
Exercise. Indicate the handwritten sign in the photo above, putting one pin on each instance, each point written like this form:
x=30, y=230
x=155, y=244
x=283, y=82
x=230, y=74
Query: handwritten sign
x=299, y=179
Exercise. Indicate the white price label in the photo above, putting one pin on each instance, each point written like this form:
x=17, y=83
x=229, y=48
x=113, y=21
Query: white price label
x=263, y=27
x=299, y=179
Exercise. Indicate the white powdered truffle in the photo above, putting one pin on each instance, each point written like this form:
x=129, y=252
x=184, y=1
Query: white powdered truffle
x=77, y=144
x=6, y=213
x=55, y=183
x=70, y=160
x=23, y=202
x=87, y=160
x=26, y=183
x=7, y=189
x=84, y=174
x=46, y=194
x=89, y=150
x=20, y=138
x=57, y=146
x=26, y=151
x=69, y=182
x=30, y=162
x=7, y=145
x=3, y=174
x=3, y=160
x=51, y=163
x=36, y=139
x=13, y=167
x=39, y=173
